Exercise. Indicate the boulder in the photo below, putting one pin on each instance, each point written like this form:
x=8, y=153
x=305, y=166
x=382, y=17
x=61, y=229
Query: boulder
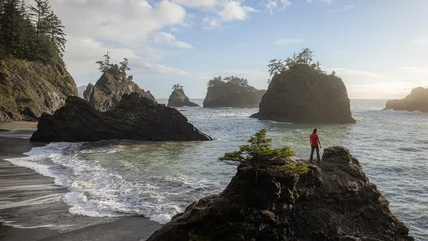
x=270, y=200
x=232, y=95
x=109, y=89
x=28, y=89
x=303, y=94
x=417, y=100
x=135, y=117
x=179, y=99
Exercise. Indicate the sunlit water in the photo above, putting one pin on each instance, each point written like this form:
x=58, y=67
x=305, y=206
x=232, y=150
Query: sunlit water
x=160, y=179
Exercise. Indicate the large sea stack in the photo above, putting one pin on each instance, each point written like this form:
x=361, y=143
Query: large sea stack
x=30, y=88
x=417, y=100
x=134, y=117
x=269, y=201
x=304, y=94
x=232, y=92
x=179, y=99
x=109, y=89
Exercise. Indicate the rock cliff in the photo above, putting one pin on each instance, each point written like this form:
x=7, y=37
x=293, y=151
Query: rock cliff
x=417, y=100
x=134, y=117
x=109, y=89
x=305, y=95
x=28, y=89
x=179, y=99
x=232, y=95
x=268, y=200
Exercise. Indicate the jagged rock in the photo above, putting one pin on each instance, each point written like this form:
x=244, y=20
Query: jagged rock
x=416, y=101
x=179, y=99
x=110, y=88
x=135, y=117
x=267, y=200
x=305, y=95
x=232, y=95
x=28, y=89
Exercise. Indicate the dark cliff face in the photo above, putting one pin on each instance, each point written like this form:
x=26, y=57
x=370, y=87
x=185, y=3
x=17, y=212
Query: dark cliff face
x=179, y=99
x=28, y=89
x=231, y=95
x=416, y=101
x=134, y=117
x=334, y=200
x=109, y=89
x=303, y=95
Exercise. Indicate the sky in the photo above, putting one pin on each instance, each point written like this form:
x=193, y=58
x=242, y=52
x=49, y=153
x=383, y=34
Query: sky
x=378, y=47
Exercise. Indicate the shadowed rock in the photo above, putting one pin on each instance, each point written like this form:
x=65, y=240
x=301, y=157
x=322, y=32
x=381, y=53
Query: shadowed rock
x=135, y=117
x=416, y=101
x=179, y=99
x=266, y=200
x=305, y=95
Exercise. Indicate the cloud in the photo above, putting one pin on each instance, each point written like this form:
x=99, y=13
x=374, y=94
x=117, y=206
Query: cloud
x=421, y=40
x=271, y=5
x=160, y=69
x=414, y=70
x=287, y=41
x=361, y=74
x=207, y=4
x=169, y=39
x=342, y=9
x=227, y=10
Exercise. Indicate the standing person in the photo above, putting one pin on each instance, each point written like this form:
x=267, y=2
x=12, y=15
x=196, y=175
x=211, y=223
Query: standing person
x=315, y=143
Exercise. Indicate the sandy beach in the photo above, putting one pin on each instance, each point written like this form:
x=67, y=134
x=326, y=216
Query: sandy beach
x=31, y=207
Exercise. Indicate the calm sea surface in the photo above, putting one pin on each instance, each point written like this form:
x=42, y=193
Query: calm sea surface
x=160, y=179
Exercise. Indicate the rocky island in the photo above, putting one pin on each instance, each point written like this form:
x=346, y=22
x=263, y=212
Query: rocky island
x=300, y=92
x=232, y=92
x=417, y=100
x=273, y=197
x=134, y=117
x=179, y=99
x=112, y=85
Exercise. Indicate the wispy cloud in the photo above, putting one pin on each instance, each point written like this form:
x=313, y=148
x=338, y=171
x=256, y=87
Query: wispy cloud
x=287, y=41
x=414, y=69
x=346, y=72
x=169, y=39
x=271, y=5
x=342, y=9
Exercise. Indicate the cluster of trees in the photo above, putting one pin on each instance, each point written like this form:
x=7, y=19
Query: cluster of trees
x=31, y=32
x=177, y=87
x=116, y=69
x=234, y=80
x=278, y=66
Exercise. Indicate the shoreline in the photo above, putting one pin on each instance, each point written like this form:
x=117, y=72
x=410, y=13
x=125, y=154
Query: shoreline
x=31, y=206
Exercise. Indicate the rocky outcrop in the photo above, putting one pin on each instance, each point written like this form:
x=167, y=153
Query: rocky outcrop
x=109, y=89
x=179, y=99
x=268, y=200
x=232, y=95
x=135, y=117
x=416, y=101
x=28, y=89
x=303, y=94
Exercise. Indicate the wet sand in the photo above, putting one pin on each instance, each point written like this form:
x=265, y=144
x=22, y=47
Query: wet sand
x=31, y=206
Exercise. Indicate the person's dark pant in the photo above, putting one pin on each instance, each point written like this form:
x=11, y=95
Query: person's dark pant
x=315, y=147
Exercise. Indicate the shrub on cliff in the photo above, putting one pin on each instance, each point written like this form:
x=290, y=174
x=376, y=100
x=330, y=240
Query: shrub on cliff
x=259, y=148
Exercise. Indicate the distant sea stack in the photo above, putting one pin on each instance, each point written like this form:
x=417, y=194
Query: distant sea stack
x=416, y=101
x=269, y=200
x=135, y=117
x=302, y=93
x=30, y=88
x=179, y=99
x=232, y=92
x=110, y=87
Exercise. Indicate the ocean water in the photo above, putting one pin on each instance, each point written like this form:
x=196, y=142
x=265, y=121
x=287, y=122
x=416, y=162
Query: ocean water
x=159, y=179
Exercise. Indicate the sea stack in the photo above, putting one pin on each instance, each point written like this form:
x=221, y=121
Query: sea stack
x=417, y=100
x=179, y=99
x=305, y=94
x=109, y=89
x=232, y=92
x=135, y=117
x=267, y=200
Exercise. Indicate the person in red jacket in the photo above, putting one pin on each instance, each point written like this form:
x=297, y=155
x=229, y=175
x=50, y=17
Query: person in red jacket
x=315, y=143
